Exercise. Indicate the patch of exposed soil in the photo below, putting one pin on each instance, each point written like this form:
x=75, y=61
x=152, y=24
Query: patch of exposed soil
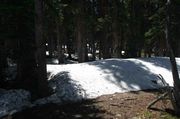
x=130, y=105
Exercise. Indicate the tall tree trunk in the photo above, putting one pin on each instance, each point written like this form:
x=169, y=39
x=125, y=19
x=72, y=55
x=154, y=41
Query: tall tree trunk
x=100, y=44
x=93, y=32
x=81, y=41
x=59, y=45
x=27, y=77
x=172, y=60
x=69, y=48
x=26, y=66
x=178, y=48
x=41, y=50
x=116, y=43
x=104, y=33
x=3, y=63
x=105, y=46
x=50, y=45
x=81, y=44
x=116, y=37
x=93, y=46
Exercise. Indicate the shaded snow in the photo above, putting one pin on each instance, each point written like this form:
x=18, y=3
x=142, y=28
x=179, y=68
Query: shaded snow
x=75, y=82
x=13, y=101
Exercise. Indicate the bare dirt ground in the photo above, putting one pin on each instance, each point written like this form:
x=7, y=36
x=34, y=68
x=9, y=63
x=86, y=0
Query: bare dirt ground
x=130, y=105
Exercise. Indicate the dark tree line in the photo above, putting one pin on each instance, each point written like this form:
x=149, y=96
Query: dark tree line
x=102, y=28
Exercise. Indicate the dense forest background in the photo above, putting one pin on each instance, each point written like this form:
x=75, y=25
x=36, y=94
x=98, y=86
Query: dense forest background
x=82, y=30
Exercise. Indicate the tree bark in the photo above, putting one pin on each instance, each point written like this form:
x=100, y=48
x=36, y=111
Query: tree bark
x=59, y=45
x=41, y=50
x=104, y=33
x=81, y=44
x=93, y=47
x=178, y=48
x=117, y=41
x=81, y=41
x=69, y=48
x=3, y=63
x=172, y=60
x=26, y=66
x=50, y=46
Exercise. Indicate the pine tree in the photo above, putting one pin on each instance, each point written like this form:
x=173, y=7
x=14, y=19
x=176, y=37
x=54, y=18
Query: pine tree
x=172, y=59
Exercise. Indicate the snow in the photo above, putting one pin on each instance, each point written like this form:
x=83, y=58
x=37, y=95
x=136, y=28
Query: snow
x=75, y=82
x=109, y=76
x=13, y=101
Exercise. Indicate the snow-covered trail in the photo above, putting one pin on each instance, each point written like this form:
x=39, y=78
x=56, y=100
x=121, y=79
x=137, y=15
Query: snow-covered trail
x=73, y=82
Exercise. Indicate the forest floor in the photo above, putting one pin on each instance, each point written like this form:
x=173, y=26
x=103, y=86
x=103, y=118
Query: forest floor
x=131, y=105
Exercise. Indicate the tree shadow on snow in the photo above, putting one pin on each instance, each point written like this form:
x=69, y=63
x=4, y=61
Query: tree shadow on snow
x=163, y=62
x=72, y=103
x=65, y=88
x=128, y=75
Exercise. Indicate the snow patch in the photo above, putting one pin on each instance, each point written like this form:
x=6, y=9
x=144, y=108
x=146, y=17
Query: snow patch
x=13, y=101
